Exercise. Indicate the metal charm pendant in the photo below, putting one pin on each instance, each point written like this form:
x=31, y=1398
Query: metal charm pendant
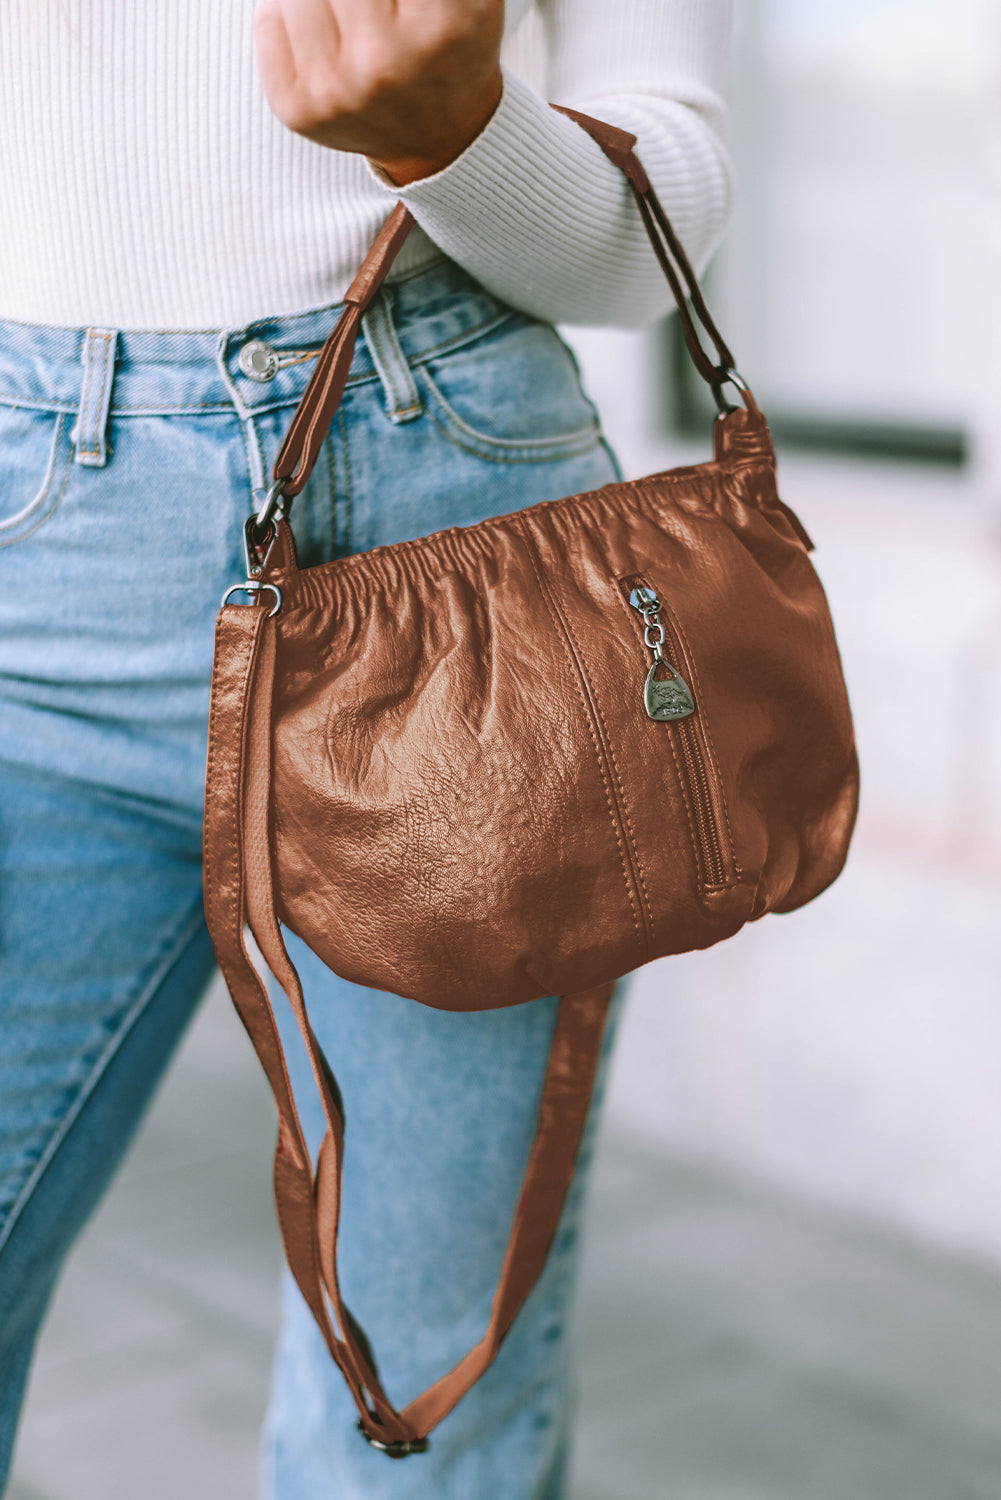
x=667, y=698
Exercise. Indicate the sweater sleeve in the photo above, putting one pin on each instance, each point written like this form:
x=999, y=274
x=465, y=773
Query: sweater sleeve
x=535, y=211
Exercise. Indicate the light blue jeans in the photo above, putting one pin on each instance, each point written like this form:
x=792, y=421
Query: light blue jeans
x=128, y=461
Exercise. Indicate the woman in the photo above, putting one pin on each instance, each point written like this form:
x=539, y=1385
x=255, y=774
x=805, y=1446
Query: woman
x=169, y=214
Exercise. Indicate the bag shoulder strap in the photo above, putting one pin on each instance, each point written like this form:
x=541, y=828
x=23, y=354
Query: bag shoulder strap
x=239, y=889
x=315, y=412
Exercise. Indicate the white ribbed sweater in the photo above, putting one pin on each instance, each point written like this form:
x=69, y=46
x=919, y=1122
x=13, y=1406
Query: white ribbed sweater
x=145, y=183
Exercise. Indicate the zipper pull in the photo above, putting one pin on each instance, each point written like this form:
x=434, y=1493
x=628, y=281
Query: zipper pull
x=664, y=698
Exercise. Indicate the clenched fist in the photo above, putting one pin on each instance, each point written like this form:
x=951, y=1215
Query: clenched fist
x=409, y=83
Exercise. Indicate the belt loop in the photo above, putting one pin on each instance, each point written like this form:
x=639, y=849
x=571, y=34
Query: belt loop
x=91, y=431
x=403, y=401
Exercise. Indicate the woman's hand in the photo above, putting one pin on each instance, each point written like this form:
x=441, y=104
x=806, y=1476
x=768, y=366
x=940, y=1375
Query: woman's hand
x=407, y=82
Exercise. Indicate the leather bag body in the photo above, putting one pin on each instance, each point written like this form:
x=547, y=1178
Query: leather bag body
x=471, y=805
x=510, y=760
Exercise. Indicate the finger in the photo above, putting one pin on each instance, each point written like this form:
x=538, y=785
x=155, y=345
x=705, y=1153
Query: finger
x=463, y=13
x=312, y=31
x=431, y=24
x=275, y=59
x=361, y=11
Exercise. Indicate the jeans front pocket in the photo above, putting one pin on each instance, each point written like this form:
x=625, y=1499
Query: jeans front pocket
x=35, y=457
x=513, y=396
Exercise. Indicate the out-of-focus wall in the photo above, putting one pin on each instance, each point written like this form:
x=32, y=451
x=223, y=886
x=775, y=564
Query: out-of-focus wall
x=853, y=1050
x=848, y=279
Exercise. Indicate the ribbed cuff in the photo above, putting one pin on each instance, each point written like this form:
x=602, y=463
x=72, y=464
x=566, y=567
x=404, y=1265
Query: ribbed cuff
x=528, y=179
x=537, y=213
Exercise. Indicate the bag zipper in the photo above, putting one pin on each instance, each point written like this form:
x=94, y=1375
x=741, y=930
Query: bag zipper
x=670, y=700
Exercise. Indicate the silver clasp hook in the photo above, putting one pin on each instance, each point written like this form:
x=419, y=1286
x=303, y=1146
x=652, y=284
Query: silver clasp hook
x=253, y=586
x=729, y=376
x=259, y=530
x=273, y=508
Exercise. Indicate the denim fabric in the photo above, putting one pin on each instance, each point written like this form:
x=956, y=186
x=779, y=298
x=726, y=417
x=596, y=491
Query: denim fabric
x=128, y=461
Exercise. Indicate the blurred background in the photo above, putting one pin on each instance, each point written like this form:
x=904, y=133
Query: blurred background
x=793, y=1284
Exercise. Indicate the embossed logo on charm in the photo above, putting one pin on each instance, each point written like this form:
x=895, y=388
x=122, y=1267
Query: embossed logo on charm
x=664, y=697
x=668, y=698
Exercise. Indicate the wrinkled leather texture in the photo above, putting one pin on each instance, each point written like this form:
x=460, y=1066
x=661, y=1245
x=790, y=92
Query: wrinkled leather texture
x=470, y=805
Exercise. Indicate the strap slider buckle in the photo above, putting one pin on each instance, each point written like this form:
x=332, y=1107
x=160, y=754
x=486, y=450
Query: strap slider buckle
x=399, y=1447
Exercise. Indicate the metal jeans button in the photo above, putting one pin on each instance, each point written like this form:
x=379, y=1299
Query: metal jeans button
x=258, y=360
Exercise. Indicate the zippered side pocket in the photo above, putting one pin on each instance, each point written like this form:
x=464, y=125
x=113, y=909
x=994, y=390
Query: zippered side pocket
x=670, y=698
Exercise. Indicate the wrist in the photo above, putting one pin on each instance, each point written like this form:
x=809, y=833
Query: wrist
x=399, y=171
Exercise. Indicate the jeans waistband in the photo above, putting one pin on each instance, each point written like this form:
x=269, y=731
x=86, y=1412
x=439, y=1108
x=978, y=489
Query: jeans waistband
x=97, y=373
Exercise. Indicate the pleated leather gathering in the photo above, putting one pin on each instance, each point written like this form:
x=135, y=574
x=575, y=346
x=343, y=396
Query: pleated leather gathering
x=455, y=768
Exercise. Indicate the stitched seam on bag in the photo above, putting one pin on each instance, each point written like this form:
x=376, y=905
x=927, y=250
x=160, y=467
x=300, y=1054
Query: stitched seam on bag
x=682, y=774
x=623, y=808
x=704, y=722
x=209, y=857
x=686, y=799
x=613, y=810
x=690, y=667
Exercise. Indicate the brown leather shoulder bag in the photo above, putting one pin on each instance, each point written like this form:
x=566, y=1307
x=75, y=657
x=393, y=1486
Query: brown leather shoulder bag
x=516, y=759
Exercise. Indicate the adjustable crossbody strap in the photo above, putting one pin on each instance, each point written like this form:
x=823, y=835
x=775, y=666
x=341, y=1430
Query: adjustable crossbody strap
x=239, y=888
x=238, y=752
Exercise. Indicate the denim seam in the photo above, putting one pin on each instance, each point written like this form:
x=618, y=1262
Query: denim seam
x=331, y=495
x=171, y=950
x=567, y=444
x=223, y=408
x=457, y=341
x=21, y=536
x=554, y=454
x=16, y=400
x=87, y=380
x=97, y=449
x=248, y=430
x=446, y=346
x=348, y=511
x=402, y=398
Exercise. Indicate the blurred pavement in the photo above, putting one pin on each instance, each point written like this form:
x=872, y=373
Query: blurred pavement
x=735, y=1345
